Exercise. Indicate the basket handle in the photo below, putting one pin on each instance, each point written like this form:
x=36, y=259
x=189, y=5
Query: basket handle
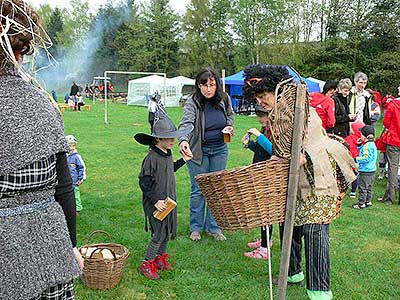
x=96, y=232
x=102, y=248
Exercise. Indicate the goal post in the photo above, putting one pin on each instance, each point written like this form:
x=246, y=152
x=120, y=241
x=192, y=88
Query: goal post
x=106, y=73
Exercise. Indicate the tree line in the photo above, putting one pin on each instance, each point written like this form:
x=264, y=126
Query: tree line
x=326, y=39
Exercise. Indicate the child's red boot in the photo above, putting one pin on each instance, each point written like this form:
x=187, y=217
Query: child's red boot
x=149, y=269
x=162, y=263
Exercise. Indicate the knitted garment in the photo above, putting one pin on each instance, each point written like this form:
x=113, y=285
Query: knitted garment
x=35, y=247
x=31, y=128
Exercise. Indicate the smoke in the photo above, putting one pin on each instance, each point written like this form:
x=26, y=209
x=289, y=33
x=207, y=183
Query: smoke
x=75, y=62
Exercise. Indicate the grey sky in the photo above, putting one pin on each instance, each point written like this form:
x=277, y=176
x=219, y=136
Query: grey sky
x=177, y=5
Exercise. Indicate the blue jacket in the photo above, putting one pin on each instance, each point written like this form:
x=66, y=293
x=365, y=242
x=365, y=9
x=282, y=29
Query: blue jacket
x=76, y=167
x=368, y=156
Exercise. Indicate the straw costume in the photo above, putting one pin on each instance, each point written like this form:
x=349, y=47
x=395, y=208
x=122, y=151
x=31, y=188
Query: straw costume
x=37, y=234
x=318, y=188
x=157, y=182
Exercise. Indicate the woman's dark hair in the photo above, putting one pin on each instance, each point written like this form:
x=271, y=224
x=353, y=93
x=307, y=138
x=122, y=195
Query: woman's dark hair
x=271, y=75
x=329, y=85
x=202, y=78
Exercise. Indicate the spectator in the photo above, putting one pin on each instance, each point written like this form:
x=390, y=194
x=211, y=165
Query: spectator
x=360, y=99
x=391, y=121
x=343, y=117
x=324, y=105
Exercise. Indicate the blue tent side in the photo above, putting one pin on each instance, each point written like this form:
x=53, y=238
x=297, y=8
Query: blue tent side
x=236, y=82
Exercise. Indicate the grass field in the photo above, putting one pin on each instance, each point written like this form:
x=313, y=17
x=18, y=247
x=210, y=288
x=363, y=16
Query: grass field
x=365, y=245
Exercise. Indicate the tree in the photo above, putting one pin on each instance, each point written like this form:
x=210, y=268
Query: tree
x=161, y=27
x=54, y=27
x=131, y=43
x=207, y=37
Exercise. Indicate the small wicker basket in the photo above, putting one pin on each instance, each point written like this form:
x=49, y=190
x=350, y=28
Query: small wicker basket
x=247, y=197
x=101, y=273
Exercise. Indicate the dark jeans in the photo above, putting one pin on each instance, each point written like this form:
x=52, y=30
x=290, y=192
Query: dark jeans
x=365, y=183
x=393, y=158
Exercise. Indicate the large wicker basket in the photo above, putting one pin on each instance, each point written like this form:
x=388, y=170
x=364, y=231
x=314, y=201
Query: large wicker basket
x=101, y=273
x=247, y=197
x=255, y=195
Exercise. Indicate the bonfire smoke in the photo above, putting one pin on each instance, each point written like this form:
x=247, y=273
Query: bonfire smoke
x=74, y=63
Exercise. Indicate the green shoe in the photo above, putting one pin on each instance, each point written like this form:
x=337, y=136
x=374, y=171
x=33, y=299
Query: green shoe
x=319, y=295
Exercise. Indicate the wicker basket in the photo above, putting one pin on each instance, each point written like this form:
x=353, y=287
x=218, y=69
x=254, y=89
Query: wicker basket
x=247, y=197
x=101, y=273
x=255, y=195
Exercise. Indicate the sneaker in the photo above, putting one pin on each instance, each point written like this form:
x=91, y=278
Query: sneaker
x=352, y=195
x=149, y=269
x=257, y=244
x=218, y=236
x=195, y=236
x=254, y=245
x=368, y=204
x=162, y=263
x=358, y=206
x=275, y=281
x=257, y=254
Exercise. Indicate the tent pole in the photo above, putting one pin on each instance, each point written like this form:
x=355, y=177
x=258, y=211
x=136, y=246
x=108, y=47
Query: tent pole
x=292, y=190
x=223, y=80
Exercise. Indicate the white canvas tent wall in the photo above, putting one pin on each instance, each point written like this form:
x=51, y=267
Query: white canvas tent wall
x=180, y=82
x=139, y=88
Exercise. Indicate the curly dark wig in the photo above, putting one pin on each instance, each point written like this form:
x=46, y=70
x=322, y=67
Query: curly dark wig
x=271, y=75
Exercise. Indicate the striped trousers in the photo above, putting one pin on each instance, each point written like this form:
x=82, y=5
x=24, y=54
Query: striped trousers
x=316, y=244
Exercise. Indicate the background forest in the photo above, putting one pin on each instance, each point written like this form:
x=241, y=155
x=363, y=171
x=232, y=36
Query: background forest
x=326, y=39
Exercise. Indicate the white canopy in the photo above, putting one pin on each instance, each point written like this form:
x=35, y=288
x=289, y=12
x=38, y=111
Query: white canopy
x=140, y=89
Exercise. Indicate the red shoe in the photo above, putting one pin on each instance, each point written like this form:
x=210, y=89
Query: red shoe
x=149, y=269
x=162, y=263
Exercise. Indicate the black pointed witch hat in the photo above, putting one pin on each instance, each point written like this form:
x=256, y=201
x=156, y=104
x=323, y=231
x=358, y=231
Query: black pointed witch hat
x=163, y=127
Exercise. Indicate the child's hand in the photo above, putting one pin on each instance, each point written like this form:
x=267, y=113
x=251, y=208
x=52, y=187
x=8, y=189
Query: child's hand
x=160, y=205
x=246, y=139
x=254, y=131
x=184, y=149
x=79, y=258
x=79, y=182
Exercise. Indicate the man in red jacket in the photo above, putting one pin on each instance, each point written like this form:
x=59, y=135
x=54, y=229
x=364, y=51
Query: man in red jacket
x=324, y=104
x=391, y=121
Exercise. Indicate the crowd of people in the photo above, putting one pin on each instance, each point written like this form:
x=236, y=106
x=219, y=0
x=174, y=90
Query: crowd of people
x=351, y=112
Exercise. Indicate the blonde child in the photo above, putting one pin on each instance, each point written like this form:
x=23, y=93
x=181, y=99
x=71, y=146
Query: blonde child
x=77, y=169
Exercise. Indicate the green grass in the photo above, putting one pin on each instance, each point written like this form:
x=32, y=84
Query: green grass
x=365, y=245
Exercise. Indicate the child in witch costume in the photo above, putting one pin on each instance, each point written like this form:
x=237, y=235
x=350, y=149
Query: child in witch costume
x=157, y=182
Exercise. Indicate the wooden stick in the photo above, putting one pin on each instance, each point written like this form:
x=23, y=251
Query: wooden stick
x=292, y=190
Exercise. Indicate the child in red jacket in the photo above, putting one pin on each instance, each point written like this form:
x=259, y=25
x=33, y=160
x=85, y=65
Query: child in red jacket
x=355, y=134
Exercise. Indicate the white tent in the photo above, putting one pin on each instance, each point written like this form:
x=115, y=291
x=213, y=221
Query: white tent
x=140, y=89
x=184, y=85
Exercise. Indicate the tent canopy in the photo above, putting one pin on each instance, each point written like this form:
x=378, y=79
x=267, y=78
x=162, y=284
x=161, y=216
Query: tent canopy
x=236, y=82
x=237, y=79
x=140, y=89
